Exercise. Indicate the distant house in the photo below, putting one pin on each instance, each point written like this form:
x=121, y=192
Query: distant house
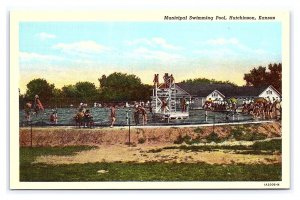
x=215, y=96
x=271, y=93
x=250, y=92
x=203, y=92
x=218, y=92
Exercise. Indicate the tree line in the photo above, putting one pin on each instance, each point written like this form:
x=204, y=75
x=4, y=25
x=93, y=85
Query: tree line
x=261, y=76
x=122, y=87
x=117, y=87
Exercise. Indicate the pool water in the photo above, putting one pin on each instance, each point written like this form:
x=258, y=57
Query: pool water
x=101, y=117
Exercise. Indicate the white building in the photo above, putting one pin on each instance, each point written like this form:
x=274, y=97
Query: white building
x=270, y=93
x=215, y=96
x=218, y=92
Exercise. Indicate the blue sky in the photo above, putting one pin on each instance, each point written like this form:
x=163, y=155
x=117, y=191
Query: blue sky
x=67, y=52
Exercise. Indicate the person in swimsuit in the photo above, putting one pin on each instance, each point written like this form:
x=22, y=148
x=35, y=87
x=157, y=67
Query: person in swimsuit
x=27, y=110
x=53, y=117
x=164, y=105
x=183, y=105
x=37, y=106
x=112, y=115
x=136, y=115
x=144, y=114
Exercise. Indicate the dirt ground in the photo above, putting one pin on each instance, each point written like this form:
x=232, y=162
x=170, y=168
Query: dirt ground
x=69, y=136
x=112, y=144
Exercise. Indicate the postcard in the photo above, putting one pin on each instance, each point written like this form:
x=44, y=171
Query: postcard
x=169, y=99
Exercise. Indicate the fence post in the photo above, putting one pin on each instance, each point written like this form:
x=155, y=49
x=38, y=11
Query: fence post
x=214, y=119
x=31, y=134
x=129, y=128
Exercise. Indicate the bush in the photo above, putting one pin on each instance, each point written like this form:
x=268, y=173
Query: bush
x=242, y=133
x=141, y=140
x=198, y=130
x=237, y=133
x=273, y=145
x=252, y=136
x=213, y=137
x=181, y=139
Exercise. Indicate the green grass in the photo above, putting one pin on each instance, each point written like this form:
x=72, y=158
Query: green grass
x=259, y=147
x=272, y=145
x=151, y=172
x=137, y=171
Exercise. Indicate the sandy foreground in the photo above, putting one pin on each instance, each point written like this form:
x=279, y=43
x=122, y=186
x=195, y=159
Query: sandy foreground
x=142, y=154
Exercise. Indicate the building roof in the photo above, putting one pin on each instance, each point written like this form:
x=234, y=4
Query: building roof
x=203, y=90
x=228, y=90
x=249, y=91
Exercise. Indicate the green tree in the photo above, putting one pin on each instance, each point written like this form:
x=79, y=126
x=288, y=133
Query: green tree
x=262, y=77
x=275, y=76
x=102, y=80
x=57, y=100
x=86, y=91
x=69, y=91
x=42, y=88
x=206, y=81
x=123, y=87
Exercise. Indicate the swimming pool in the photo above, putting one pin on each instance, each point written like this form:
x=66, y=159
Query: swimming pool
x=101, y=117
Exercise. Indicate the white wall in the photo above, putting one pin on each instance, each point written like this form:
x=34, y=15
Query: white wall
x=271, y=93
x=215, y=95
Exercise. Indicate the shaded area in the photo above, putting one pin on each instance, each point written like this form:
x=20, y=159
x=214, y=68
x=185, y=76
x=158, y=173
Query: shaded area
x=258, y=148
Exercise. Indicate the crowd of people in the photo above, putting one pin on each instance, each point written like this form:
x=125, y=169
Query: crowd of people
x=84, y=117
x=260, y=108
x=218, y=105
x=263, y=109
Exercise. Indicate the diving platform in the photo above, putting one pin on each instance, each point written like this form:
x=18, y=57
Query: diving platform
x=167, y=100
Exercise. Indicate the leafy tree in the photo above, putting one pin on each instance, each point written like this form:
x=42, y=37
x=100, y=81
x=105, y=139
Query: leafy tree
x=274, y=76
x=262, y=77
x=86, y=91
x=42, y=88
x=69, y=91
x=102, y=80
x=206, y=81
x=57, y=98
x=123, y=87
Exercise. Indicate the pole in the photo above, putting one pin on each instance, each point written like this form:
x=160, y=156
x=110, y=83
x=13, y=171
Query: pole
x=214, y=123
x=156, y=103
x=129, y=130
x=30, y=134
x=129, y=126
x=127, y=118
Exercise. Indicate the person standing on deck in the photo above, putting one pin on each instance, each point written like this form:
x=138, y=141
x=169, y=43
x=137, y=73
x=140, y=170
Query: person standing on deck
x=136, y=115
x=164, y=105
x=27, y=110
x=112, y=115
x=144, y=114
x=183, y=105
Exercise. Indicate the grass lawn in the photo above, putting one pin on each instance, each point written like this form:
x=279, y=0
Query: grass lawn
x=137, y=171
